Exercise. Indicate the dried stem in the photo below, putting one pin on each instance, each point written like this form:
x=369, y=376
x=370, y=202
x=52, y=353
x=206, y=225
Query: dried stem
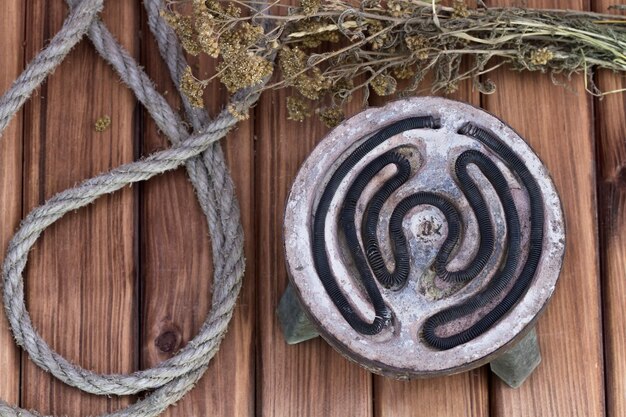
x=328, y=50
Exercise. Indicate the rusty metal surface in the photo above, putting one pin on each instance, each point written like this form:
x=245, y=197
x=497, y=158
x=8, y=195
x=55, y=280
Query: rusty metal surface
x=398, y=350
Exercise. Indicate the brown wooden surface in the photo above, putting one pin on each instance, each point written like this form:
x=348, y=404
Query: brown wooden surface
x=309, y=379
x=124, y=283
x=611, y=183
x=176, y=269
x=11, y=41
x=558, y=124
x=80, y=283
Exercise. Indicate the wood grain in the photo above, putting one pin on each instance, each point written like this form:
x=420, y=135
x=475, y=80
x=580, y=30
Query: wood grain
x=308, y=379
x=125, y=282
x=81, y=274
x=463, y=394
x=611, y=154
x=557, y=123
x=176, y=265
x=12, y=16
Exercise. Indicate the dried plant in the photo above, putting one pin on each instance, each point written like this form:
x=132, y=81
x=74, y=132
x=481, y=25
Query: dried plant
x=102, y=123
x=329, y=50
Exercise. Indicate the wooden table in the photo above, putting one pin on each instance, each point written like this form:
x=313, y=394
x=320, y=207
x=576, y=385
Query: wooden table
x=124, y=283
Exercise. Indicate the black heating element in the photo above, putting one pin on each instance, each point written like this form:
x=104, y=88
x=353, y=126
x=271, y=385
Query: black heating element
x=369, y=261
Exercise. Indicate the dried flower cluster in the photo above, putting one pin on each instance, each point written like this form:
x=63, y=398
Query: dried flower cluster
x=328, y=50
x=331, y=116
x=192, y=87
x=297, y=109
x=219, y=31
x=102, y=123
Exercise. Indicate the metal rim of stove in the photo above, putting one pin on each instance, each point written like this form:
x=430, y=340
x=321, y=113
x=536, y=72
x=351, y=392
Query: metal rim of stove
x=371, y=354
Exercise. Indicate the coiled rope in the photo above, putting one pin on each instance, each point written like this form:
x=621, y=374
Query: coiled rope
x=204, y=161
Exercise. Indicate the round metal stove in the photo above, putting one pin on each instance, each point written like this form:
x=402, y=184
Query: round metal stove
x=422, y=238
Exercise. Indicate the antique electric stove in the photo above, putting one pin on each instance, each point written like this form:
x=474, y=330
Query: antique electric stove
x=423, y=238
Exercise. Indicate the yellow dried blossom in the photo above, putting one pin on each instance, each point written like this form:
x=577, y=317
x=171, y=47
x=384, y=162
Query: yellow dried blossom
x=199, y=5
x=102, y=123
x=247, y=34
x=399, y=8
x=205, y=29
x=378, y=42
x=459, y=9
x=292, y=61
x=343, y=84
x=169, y=17
x=297, y=109
x=541, y=56
x=229, y=45
x=373, y=27
x=238, y=113
x=383, y=85
x=239, y=39
x=331, y=116
x=395, y=8
x=451, y=87
x=232, y=10
x=273, y=44
x=192, y=88
x=185, y=34
x=243, y=70
x=310, y=7
x=209, y=44
x=403, y=72
x=417, y=44
x=309, y=83
x=214, y=6
x=183, y=26
x=204, y=21
x=313, y=86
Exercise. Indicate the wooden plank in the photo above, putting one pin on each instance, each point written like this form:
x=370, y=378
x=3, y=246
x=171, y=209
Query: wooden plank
x=456, y=395
x=176, y=265
x=463, y=394
x=12, y=17
x=611, y=153
x=81, y=274
x=308, y=379
x=558, y=125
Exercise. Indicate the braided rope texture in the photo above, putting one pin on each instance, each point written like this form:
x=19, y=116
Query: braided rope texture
x=203, y=158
